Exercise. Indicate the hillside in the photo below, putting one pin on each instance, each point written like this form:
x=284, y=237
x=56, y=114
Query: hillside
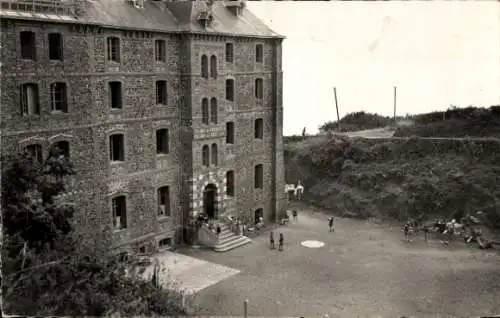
x=454, y=122
x=357, y=121
x=362, y=178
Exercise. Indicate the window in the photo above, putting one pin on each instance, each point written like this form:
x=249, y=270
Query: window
x=58, y=97
x=204, y=111
x=162, y=141
x=29, y=99
x=119, y=213
x=115, y=95
x=204, y=66
x=259, y=128
x=214, y=154
x=161, y=93
x=229, y=52
x=259, y=176
x=259, y=88
x=55, y=46
x=116, y=148
x=164, y=201
x=122, y=257
x=213, y=110
x=113, y=49
x=28, y=45
x=142, y=250
x=213, y=66
x=61, y=148
x=205, y=155
x=230, y=133
x=160, y=51
x=35, y=151
x=230, y=90
x=230, y=183
x=259, y=53
x=165, y=243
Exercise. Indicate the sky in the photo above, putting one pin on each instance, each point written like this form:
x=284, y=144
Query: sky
x=436, y=53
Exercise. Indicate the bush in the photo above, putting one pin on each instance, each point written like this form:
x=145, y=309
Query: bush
x=357, y=121
x=50, y=269
x=455, y=122
x=415, y=178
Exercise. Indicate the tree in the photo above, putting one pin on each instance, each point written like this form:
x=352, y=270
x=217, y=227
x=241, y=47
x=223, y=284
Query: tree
x=48, y=269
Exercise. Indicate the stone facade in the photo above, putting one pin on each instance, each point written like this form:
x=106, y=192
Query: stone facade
x=89, y=122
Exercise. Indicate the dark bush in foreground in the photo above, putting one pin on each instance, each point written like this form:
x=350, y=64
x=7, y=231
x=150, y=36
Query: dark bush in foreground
x=49, y=269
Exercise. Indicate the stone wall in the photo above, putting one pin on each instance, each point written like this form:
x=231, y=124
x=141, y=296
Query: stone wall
x=246, y=152
x=90, y=121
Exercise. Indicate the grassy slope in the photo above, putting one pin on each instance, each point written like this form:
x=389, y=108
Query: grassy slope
x=455, y=122
x=398, y=178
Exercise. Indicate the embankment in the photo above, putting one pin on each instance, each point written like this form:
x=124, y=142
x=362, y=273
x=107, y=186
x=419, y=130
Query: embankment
x=398, y=178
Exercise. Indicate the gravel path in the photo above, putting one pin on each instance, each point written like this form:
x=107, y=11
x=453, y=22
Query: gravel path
x=365, y=269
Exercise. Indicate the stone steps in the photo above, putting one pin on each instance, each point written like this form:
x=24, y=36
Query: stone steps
x=229, y=240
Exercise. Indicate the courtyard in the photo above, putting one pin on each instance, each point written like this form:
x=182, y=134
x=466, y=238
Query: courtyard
x=364, y=269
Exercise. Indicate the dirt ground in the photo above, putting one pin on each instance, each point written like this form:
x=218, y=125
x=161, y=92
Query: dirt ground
x=365, y=269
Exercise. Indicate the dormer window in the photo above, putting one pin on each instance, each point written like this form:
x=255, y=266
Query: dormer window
x=235, y=6
x=205, y=18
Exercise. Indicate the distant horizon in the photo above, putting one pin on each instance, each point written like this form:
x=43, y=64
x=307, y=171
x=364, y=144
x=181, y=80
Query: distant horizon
x=438, y=54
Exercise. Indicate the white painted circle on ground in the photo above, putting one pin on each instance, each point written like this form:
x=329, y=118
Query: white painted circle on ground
x=312, y=244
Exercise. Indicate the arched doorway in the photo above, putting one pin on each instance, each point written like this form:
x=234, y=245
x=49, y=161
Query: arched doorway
x=210, y=201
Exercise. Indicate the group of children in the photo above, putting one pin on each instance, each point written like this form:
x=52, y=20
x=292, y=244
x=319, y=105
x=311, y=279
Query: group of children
x=271, y=241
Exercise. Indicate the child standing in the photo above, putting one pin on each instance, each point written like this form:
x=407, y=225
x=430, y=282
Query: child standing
x=407, y=232
x=280, y=247
x=330, y=224
x=271, y=240
x=218, y=230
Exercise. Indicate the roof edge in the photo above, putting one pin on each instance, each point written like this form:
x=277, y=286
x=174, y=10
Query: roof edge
x=110, y=26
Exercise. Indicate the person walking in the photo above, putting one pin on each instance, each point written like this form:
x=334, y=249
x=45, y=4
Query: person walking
x=281, y=241
x=294, y=213
x=330, y=224
x=406, y=230
x=427, y=234
x=299, y=191
x=271, y=240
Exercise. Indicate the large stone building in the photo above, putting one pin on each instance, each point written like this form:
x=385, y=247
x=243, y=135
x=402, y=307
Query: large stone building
x=166, y=109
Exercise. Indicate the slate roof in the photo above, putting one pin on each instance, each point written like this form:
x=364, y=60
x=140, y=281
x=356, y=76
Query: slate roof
x=161, y=16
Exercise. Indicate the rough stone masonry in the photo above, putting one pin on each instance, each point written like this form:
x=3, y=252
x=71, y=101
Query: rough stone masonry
x=243, y=49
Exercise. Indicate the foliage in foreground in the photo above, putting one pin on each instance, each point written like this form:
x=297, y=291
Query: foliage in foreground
x=399, y=178
x=47, y=270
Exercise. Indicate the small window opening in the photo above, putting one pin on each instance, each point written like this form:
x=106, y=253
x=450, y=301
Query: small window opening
x=115, y=89
x=116, y=148
x=230, y=133
x=55, y=46
x=230, y=90
x=119, y=213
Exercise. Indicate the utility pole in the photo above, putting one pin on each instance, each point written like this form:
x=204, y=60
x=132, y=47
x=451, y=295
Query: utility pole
x=337, y=106
x=394, y=105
